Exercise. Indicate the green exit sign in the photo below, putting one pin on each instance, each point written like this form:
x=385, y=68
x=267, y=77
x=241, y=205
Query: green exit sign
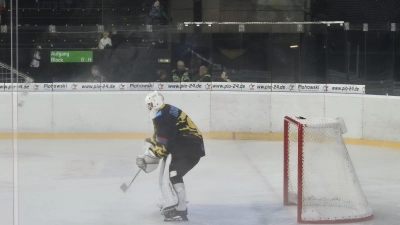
x=71, y=56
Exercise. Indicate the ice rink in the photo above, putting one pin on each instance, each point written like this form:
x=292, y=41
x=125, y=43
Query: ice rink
x=77, y=182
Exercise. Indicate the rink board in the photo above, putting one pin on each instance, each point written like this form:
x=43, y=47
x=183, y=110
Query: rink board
x=219, y=115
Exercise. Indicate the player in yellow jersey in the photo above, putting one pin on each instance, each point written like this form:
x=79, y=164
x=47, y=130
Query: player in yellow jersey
x=178, y=143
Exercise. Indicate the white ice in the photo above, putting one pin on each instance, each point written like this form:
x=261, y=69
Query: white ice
x=77, y=182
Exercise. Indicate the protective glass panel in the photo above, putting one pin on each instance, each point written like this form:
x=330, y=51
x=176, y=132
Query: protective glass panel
x=380, y=59
x=356, y=56
x=71, y=70
x=313, y=54
x=338, y=55
x=396, y=64
x=285, y=62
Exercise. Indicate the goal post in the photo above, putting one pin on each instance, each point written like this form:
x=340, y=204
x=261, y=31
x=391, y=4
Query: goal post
x=319, y=176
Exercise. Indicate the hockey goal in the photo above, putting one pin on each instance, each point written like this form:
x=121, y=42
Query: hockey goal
x=319, y=176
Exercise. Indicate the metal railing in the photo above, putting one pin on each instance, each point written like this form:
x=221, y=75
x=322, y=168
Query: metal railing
x=19, y=77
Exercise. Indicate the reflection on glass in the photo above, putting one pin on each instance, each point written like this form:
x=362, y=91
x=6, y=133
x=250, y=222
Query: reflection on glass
x=275, y=53
x=285, y=56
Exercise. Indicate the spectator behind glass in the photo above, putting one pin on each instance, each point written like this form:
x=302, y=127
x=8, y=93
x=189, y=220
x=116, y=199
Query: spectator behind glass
x=204, y=76
x=224, y=76
x=162, y=76
x=35, y=63
x=35, y=69
x=157, y=15
x=116, y=39
x=181, y=73
x=105, y=42
x=96, y=76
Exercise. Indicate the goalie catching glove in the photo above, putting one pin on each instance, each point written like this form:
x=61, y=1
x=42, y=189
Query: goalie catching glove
x=148, y=161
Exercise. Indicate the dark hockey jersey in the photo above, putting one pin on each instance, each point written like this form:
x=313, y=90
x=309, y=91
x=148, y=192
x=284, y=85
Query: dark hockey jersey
x=175, y=133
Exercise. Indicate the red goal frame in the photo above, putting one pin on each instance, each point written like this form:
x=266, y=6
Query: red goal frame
x=299, y=204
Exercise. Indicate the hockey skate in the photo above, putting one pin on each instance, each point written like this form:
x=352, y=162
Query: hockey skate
x=175, y=215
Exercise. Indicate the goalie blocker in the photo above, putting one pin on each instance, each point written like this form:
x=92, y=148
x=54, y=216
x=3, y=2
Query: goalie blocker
x=178, y=143
x=147, y=161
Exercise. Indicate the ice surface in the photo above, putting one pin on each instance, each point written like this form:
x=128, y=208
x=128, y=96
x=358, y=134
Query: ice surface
x=77, y=182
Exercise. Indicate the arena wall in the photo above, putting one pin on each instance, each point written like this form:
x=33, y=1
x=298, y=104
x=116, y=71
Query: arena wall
x=221, y=115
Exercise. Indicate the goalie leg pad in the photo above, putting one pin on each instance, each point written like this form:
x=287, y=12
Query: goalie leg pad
x=181, y=191
x=161, y=200
x=161, y=174
x=168, y=190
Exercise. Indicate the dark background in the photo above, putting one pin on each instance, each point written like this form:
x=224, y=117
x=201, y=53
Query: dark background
x=345, y=54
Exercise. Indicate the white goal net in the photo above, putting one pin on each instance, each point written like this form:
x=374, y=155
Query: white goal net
x=319, y=176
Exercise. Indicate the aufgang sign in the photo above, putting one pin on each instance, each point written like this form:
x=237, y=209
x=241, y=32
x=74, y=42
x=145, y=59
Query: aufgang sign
x=187, y=86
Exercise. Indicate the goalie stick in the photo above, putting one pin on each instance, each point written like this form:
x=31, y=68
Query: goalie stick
x=124, y=187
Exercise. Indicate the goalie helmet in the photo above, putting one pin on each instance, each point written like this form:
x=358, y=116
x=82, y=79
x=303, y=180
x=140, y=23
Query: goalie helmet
x=154, y=102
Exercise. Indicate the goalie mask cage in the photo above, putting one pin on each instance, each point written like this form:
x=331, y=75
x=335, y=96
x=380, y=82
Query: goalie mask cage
x=319, y=176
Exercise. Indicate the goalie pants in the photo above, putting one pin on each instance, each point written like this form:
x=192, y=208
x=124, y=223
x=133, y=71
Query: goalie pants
x=179, y=166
